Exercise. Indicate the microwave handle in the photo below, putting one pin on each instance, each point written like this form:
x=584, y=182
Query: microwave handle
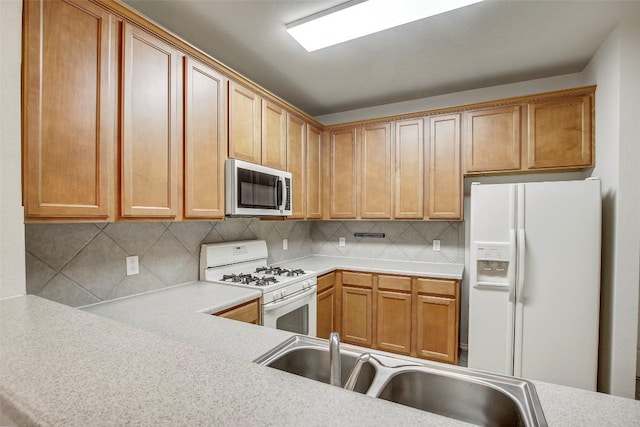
x=280, y=189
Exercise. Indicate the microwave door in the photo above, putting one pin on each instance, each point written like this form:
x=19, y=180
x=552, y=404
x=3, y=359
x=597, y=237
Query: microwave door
x=257, y=192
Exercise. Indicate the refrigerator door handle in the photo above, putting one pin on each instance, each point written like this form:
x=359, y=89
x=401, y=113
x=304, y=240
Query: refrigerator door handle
x=521, y=265
x=511, y=278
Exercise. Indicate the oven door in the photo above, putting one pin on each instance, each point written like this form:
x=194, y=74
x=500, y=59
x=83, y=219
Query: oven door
x=296, y=313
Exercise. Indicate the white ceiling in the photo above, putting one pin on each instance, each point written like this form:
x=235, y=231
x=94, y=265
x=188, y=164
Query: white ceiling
x=486, y=44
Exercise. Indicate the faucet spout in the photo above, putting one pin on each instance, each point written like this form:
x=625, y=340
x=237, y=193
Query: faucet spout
x=355, y=373
x=335, y=377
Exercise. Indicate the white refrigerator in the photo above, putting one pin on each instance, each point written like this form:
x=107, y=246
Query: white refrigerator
x=534, y=280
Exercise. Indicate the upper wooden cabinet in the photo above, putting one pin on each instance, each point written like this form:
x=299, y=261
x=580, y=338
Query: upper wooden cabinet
x=244, y=124
x=445, y=175
x=69, y=110
x=375, y=172
x=296, y=145
x=274, y=136
x=151, y=130
x=409, y=169
x=257, y=128
x=560, y=133
x=205, y=140
x=492, y=139
x=343, y=158
x=314, y=173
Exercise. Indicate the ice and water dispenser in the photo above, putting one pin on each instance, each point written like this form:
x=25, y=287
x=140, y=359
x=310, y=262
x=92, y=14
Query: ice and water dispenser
x=493, y=259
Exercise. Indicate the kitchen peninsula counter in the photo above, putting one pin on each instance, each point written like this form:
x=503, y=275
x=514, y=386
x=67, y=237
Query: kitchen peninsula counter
x=64, y=366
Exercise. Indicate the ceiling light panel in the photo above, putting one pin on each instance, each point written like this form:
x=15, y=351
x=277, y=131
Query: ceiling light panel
x=361, y=18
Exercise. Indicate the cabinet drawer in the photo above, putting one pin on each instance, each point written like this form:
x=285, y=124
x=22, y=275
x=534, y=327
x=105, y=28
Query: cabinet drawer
x=357, y=279
x=248, y=312
x=438, y=286
x=326, y=281
x=396, y=283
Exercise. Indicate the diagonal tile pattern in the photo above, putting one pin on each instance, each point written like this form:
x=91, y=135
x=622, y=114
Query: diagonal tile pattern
x=78, y=264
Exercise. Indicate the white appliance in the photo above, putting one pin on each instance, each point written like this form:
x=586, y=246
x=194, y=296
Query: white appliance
x=255, y=190
x=288, y=295
x=535, y=280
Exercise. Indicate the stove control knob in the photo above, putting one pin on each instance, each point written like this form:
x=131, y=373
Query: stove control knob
x=276, y=295
x=284, y=293
x=306, y=284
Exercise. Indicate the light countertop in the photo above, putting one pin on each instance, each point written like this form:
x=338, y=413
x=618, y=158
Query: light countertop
x=324, y=264
x=172, y=364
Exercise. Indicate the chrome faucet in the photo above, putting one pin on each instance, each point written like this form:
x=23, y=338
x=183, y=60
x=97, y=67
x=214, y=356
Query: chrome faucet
x=335, y=376
x=353, y=378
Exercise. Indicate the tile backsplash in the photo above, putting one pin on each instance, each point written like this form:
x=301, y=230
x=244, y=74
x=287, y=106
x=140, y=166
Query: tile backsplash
x=78, y=264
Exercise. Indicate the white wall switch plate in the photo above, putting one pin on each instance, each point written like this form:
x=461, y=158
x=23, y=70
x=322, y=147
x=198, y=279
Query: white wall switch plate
x=285, y=244
x=341, y=242
x=132, y=265
x=436, y=245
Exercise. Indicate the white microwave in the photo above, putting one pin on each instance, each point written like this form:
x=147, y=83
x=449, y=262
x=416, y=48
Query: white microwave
x=255, y=190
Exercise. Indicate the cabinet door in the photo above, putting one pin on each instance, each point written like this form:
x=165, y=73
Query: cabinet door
x=69, y=108
x=375, y=182
x=296, y=145
x=343, y=173
x=326, y=313
x=492, y=139
x=437, y=328
x=357, y=315
x=409, y=170
x=244, y=124
x=248, y=312
x=445, y=177
x=560, y=134
x=314, y=173
x=274, y=136
x=204, y=141
x=152, y=137
x=393, y=332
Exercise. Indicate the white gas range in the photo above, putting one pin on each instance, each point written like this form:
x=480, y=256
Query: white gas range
x=288, y=296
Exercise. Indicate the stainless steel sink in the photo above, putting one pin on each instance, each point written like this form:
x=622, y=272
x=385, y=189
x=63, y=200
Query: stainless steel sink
x=313, y=363
x=464, y=394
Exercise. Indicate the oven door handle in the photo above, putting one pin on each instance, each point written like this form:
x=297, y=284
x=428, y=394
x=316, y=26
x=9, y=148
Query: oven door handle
x=288, y=300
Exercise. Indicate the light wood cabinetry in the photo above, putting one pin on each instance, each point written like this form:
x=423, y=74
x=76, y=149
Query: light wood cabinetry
x=560, y=133
x=393, y=323
x=244, y=124
x=415, y=316
x=151, y=130
x=445, y=175
x=274, y=135
x=437, y=318
x=257, y=128
x=326, y=318
x=343, y=158
x=314, y=173
x=296, y=161
x=204, y=140
x=492, y=139
x=357, y=308
x=248, y=312
x=409, y=169
x=69, y=110
x=375, y=172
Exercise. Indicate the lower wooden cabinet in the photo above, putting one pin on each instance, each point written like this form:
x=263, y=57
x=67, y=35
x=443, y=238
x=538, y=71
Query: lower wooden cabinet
x=414, y=316
x=248, y=312
x=326, y=318
x=357, y=308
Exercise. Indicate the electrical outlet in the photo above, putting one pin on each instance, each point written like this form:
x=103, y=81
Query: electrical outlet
x=342, y=242
x=132, y=265
x=285, y=244
x=436, y=245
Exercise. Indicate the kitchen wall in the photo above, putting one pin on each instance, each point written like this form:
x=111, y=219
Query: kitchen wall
x=12, y=276
x=78, y=264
